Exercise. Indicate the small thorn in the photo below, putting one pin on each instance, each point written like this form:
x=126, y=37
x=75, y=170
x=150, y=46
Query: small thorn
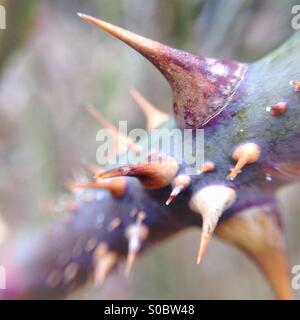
x=133, y=212
x=277, y=109
x=118, y=136
x=180, y=183
x=114, y=224
x=155, y=173
x=244, y=154
x=173, y=195
x=208, y=167
x=141, y=216
x=116, y=186
x=105, y=260
x=101, y=249
x=210, y=202
x=296, y=85
x=155, y=117
x=207, y=231
x=130, y=261
x=136, y=234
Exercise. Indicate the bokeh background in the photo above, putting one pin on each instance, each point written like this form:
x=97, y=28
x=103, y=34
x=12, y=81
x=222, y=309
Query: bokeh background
x=52, y=64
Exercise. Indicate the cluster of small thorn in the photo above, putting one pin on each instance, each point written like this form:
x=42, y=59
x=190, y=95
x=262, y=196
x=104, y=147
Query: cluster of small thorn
x=159, y=174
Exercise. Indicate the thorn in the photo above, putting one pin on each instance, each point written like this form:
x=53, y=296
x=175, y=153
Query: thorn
x=116, y=222
x=208, y=167
x=193, y=79
x=244, y=154
x=130, y=261
x=153, y=174
x=277, y=109
x=175, y=192
x=155, y=117
x=116, y=186
x=104, y=267
x=101, y=249
x=104, y=261
x=180, y=183
x=118, y=136
x=296, y=85
x=210, y=202
x=141, y=216
x=257, y=232
x=133, y=212
x=136, y=234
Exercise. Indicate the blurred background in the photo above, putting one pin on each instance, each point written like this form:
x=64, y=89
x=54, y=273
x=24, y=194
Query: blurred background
x=52, y=64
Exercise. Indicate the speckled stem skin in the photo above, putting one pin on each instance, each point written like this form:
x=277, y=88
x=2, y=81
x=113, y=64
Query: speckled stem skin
x=34, y=256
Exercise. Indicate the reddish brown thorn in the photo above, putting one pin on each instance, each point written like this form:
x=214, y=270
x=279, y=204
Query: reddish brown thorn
x=153, y=174
x=296, y=85
x=244, y=154
x=180, y=183
x=119, y=137
x=277, y=109
x=116, y=186
x=208, y=167
x=194, y=80
x=155, y=117
x=210, y=202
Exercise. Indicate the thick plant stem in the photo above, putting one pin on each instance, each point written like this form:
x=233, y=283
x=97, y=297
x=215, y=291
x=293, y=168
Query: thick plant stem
x=55, y=259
